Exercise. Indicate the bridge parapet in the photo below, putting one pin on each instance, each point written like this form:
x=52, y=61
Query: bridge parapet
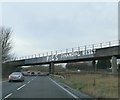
x=61, y=57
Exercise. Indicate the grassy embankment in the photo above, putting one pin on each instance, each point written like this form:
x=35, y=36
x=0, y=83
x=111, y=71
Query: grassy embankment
x=106, y=86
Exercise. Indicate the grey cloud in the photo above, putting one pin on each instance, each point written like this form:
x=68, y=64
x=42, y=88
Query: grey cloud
x=51, y=26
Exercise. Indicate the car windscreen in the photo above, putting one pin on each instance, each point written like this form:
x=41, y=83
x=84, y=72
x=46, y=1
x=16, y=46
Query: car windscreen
x=16, y=73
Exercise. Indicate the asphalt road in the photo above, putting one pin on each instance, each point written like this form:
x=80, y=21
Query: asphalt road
x=35, y=87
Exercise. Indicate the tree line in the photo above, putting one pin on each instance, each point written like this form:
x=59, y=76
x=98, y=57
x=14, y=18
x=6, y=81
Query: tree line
x=103, y=63
x=6, y=47
x=6, y=43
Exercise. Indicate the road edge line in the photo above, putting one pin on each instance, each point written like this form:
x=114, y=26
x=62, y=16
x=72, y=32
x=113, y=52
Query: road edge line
x=7, y=96
x=63, y=88
x=21, y=87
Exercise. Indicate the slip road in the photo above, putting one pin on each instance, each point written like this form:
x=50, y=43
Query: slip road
x=35, y=87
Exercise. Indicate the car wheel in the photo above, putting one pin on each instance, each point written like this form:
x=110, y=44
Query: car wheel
x=10, y=80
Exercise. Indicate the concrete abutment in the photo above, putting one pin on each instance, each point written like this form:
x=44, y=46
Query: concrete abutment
x=114, y=64
x=51, y=68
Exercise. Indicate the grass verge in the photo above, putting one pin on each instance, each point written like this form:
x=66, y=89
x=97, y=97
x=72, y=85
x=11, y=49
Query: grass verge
x=96, y=85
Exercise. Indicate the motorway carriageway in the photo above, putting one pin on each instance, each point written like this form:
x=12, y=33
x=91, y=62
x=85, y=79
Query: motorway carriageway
x=35, y=87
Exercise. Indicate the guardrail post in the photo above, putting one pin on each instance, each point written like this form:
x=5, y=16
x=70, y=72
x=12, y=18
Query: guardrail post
x=66, y=50
x=85, y=49
x=78, y=48
x=100, y=45
x=61, y=54
x=93, y=46
x=61, y=51
x=109, y=44
x=72, y=50
x=51, y=53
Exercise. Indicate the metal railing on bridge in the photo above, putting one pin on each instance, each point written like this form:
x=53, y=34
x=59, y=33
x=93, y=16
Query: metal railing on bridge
x=86, y=50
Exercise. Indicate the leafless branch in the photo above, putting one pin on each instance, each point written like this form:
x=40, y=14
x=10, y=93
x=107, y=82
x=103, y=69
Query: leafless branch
x=6, y=42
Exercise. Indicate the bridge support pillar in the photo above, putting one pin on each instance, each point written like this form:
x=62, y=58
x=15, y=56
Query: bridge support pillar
x=52, y=64
x=51, y=68
x=114, y=64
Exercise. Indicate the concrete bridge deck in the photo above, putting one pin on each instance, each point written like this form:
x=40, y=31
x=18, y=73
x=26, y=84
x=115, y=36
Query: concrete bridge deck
x=74, y=55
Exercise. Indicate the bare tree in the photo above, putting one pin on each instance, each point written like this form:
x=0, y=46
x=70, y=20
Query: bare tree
x=6, y=42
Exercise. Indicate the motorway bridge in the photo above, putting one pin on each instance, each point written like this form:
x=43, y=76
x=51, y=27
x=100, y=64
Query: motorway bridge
x=83, y=53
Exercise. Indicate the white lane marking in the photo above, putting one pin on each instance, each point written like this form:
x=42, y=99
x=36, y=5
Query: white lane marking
x=25, y=84
x=63, y=88
x=21, y=87
x=28, y=82
x=33, y=78
x=17, y=88
x=8, y=95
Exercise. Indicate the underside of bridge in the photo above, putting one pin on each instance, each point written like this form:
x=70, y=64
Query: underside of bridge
x=17, y=64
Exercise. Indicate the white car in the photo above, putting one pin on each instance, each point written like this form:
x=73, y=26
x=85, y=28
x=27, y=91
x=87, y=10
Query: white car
x=16, y=76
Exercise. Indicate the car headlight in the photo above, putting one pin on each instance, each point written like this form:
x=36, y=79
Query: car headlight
x=9, y=77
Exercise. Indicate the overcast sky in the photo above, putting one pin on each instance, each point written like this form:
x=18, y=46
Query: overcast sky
x=41, y=27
